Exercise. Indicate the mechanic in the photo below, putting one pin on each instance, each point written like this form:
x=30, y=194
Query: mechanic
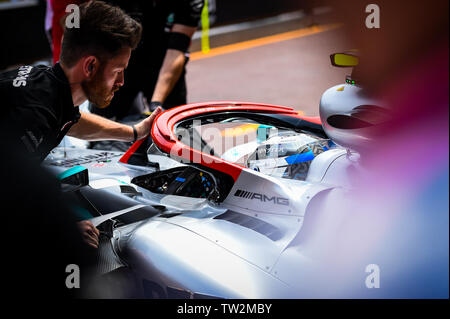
x=158, y=66
x=41, y=103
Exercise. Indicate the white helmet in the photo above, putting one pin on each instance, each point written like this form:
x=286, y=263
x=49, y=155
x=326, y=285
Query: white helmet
x=349, y=116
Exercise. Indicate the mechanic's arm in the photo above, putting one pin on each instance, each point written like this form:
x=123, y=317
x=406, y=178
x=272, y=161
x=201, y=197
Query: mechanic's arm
x=93, y=128
x=172, y=66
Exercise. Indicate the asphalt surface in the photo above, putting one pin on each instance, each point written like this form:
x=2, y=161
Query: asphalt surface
x=291, y=72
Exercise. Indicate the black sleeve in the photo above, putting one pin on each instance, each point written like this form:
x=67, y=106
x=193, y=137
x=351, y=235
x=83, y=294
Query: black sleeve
x=40, y=230
x=188, y=12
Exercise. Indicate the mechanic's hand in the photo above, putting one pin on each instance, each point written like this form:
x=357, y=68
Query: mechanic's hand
x=143, y=128
x=89, y=233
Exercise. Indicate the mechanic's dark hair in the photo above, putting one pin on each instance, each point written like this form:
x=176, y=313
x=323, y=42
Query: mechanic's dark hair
x=103, y=31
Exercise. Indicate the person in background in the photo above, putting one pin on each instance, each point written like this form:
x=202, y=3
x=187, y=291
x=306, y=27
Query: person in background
x=158, y=66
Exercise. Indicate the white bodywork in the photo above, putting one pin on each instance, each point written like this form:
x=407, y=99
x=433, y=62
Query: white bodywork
x=201, y=254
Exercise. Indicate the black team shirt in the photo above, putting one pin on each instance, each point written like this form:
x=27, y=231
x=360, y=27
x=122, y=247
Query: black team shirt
x=37, y=109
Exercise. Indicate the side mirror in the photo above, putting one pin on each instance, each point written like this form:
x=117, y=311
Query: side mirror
x=73, y=178
x=344, y=60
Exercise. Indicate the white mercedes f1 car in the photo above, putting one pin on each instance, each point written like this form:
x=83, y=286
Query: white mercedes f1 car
x=215, y=202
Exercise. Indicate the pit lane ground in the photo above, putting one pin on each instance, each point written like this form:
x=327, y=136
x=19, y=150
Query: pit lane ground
x=285, y=63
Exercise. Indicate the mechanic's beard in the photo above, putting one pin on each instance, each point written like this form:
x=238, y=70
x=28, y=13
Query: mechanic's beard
x=96, y=91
